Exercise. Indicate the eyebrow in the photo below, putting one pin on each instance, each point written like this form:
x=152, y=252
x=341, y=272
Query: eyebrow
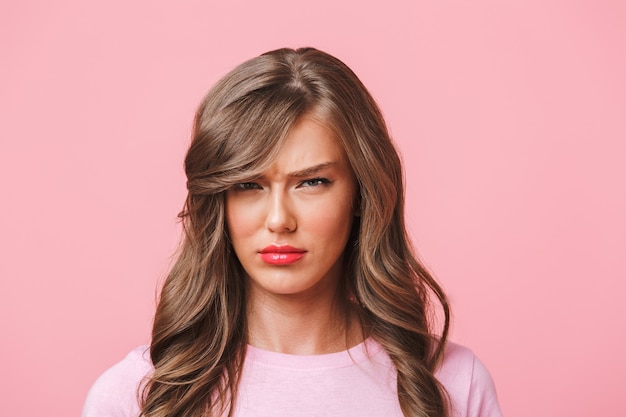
x=307, y=172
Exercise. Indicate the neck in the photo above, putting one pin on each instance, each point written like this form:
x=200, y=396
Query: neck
x=301, y=325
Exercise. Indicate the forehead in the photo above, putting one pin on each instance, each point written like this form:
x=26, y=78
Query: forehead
x=308, y=143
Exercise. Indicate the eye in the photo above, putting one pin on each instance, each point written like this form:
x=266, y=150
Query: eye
x=315, y=182
x=245, y=186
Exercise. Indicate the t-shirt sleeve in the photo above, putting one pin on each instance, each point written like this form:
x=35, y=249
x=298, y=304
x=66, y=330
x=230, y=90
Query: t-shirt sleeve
x=116, y=392
x=468, y=384
x=482, y=399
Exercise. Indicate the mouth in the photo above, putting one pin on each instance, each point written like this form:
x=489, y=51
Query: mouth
x=281, y=255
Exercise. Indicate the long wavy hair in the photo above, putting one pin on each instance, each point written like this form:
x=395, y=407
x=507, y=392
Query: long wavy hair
x=199, y=334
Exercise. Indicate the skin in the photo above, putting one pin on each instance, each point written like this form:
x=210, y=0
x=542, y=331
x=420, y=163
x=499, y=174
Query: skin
x=306, y=199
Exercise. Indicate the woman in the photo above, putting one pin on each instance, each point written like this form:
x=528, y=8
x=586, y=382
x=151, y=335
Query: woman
x=296, y=291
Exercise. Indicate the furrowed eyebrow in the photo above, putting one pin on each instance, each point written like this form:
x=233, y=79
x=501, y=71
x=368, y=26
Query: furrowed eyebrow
x=307, y=172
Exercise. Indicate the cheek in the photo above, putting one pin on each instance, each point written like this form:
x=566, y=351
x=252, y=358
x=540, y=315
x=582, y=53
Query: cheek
x=240, y=220
x=331, y=221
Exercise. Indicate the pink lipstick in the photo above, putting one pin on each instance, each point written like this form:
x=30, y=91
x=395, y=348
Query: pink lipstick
x=281, y=255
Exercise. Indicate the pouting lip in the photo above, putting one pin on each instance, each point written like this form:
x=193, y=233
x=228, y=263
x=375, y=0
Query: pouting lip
x=281, y=249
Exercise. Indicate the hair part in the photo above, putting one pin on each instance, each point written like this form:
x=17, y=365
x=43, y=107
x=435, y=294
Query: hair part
x=199, y=333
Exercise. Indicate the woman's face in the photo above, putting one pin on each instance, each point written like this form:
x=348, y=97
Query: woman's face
x=289, y=227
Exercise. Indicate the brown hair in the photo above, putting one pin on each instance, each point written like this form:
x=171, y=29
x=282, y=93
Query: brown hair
x=199, y=333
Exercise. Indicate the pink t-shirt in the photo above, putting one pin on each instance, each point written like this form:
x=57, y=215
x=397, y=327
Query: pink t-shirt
x=358, y=382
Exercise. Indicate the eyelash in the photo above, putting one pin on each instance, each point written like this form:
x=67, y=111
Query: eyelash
x=313, y=182
x=246, y=186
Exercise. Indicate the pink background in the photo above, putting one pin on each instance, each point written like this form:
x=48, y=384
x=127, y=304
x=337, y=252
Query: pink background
x=510, y=116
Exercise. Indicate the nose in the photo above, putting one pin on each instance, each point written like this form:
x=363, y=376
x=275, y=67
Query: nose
x=280, y=216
